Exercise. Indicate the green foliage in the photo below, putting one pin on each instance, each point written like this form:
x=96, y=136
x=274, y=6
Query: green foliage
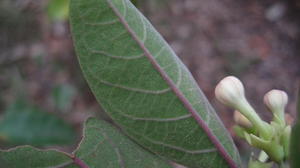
x=102, y=146
x=295, y=139
x=145, y=88
x=295, y=146
x=29, y=157
x=58, y=10
x=26, y=124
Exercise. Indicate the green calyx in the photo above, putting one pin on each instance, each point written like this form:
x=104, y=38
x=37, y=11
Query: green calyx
x=273, y=138
x=258, y=164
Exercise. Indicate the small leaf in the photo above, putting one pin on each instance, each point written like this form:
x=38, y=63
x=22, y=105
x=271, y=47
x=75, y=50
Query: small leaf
x=145, y=88
x=102, y=147
x=26, y=124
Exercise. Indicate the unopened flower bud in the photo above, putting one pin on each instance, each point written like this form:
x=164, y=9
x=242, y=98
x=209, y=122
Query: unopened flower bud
x=241, y=120
x=230, y=91
x=276, y=101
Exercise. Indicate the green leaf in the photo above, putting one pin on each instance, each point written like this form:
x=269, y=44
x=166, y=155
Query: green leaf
x=29, y=157
x=26, y=124
x=295, y=138
x=102, y=147
x=145, y=88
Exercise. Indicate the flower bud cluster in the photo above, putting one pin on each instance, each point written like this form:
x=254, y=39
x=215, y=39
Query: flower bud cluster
x=272, y=138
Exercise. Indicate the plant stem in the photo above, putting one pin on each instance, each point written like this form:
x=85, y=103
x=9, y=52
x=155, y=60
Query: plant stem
x=246, y=109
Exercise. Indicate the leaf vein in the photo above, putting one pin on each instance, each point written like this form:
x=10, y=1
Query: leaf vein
x=156, y=119
x=103, y=23
x=202, y=151
x=93, y=51
x=62, y=165
x=144, y=29
x=130, y=88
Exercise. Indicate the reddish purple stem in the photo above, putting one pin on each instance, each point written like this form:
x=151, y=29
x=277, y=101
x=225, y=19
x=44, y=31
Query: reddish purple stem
x=79, y=162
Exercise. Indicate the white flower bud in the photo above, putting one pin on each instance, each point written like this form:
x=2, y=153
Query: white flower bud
x=276, y=100
x=241, y=120
x=230, y=91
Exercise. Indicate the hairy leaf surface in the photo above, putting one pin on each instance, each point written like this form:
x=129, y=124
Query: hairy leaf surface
x=102, y=146
x=145, y=88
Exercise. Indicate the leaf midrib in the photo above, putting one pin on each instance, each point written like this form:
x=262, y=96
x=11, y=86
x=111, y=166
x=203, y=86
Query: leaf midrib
x=174, y=88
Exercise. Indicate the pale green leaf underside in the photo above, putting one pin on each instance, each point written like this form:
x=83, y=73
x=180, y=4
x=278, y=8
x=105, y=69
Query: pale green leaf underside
x=107, y=35
x=102, y=147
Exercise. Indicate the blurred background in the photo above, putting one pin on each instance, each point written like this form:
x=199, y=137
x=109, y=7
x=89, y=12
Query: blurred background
x=44, y=99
